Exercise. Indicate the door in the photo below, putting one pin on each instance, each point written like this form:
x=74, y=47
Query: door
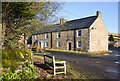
x=41, y=44
x=69, y=45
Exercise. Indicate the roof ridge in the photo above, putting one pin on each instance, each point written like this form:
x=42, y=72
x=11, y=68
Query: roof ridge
x=72, y=24
x=75, y=20
x=82, y=18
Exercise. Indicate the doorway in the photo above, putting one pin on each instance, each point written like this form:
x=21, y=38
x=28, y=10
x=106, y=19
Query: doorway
x=41, y=44
x=69, y=46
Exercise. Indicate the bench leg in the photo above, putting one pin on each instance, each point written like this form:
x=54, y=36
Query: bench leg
x=54, y=71
x=65, y=68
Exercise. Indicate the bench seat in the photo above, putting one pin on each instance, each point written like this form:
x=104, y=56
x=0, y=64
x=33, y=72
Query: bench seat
x=50, y=60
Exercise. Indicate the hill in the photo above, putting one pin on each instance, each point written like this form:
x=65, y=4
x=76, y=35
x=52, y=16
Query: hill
x=115, y=35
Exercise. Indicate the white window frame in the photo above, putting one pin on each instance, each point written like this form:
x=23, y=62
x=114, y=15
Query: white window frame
x=77, y=44
x=77, y=33
x=58, y=34
x=46, y=36
x=46, y=44
x=57, y=44
x=36, y=37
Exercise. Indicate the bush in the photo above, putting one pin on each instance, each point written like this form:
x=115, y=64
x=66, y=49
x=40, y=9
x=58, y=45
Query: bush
x=111, y=38
x=13, y=58
x=17, y=64
x=28, y=73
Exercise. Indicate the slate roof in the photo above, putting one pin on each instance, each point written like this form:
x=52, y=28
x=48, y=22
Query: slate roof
x=70, y=25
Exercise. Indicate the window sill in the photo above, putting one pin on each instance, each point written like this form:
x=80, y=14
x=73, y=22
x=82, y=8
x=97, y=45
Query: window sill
x=78, y=36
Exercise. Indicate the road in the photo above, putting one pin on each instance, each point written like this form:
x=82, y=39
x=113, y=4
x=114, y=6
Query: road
x=104, y=66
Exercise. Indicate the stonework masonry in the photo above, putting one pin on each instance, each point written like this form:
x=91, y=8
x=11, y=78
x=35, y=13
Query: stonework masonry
x=93, y=38
x=65, y=38
x=98, y=36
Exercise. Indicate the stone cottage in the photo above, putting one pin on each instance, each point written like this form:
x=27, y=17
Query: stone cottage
x=85, y=34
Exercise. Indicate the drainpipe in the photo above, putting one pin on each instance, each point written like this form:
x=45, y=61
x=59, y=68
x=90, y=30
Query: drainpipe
x=74, y=40
x=51, y=39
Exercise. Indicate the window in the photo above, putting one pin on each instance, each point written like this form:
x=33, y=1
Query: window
x=36, y=37
x=58, y=35
x=58, y=44
x=46, y=36
x=79, y=33
x=46, y=44
x=79, y=44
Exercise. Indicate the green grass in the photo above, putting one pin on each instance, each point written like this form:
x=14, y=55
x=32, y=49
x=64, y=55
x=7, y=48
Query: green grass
x=43, y=53
x=39, y=57
x=78, y=52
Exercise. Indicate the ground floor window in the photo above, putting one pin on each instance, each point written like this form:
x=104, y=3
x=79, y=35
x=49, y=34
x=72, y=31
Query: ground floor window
x=79, y=44
x=58, y=44
x=46, y=44
x=36, y=37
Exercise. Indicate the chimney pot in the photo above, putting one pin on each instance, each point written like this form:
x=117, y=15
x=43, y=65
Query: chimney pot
x=62, y=21
x=99, y=13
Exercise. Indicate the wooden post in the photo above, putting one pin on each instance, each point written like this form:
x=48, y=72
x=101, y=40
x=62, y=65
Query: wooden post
x=25, y=41
x=44, y=58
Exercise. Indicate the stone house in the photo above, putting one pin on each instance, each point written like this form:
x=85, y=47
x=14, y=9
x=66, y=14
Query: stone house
x=85, y=34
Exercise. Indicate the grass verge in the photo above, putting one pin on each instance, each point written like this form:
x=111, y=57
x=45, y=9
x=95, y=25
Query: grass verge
x=43, y=53
x=39, y=57
x=78, y=52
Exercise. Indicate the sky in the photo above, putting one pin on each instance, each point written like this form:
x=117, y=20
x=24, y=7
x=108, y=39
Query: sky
x=76, y=10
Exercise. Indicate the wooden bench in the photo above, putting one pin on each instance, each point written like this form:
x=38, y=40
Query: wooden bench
x=50, y=60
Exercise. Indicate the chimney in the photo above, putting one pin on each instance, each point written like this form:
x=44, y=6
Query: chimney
x=99, y=14
x=62, y=21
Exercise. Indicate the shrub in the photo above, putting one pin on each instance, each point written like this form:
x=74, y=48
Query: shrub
x=13, y=58
x=111, y=38
x=17, y=64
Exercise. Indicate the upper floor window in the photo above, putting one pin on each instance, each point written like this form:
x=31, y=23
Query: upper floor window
x=46, y=36
x=36, y=37
x=79, y=44
x=46, y=44
x=58, y=35
x=58, y=44
x=79, y=33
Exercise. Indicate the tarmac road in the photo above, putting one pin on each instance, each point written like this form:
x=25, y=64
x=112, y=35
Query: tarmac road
x=104, y=66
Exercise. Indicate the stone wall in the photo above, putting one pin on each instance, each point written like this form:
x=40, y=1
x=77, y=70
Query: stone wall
x=84, y=40
x=98, y=35
x=65, y=38
x=41, y=37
